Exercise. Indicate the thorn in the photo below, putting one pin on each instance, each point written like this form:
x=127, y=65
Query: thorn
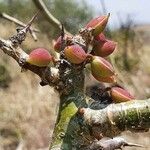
x=31, y=21
x=33, y=34
x=133, y=145
x=108, y=15
x=21, y=33
x=62, y=37
x=62, y=31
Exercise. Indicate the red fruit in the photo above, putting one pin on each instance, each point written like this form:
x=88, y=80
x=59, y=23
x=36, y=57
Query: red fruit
x=92, y=23
x=120, y=95
x=104, y=49
x=98, y=24
x=100, y=67
x=57, y=44
x=39, y=57
x=75, y=54
x=100, y=38
x=110, y=79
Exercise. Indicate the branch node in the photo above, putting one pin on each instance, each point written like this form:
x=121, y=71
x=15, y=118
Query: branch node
x=21, y=33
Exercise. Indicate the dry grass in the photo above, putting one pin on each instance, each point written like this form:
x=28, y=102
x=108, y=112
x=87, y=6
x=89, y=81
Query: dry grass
x=27, y=110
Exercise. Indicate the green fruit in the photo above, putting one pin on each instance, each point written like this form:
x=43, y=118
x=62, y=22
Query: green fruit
x=100, y=67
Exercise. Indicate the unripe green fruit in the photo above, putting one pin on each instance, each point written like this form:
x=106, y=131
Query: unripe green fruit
x=104, y=49
x=100, y=67
x=39, y=57
x=119, y=95
x=98, y=24
x=75, y=54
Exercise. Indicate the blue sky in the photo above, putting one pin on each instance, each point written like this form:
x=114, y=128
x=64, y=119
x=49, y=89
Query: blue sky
x=138, y=9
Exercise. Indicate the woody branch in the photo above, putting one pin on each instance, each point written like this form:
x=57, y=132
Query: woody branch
x=11, y=47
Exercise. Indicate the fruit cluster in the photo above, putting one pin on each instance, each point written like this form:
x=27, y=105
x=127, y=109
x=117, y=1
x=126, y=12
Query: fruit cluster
x=79, y=54
x=75, y=53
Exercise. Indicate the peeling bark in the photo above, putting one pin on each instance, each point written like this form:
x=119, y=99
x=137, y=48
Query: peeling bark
x=116, y=118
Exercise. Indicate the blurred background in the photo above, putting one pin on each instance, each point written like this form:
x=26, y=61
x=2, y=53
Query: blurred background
x=27, y=110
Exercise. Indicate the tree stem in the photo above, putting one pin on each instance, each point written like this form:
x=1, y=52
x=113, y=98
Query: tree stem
x=67, y=132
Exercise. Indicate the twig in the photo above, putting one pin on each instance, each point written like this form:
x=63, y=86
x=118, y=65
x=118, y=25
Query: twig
x=31, y=21
x=20, y=145
x=111, y=144
x=21, y=33
x=18, y=22
x=50, y=18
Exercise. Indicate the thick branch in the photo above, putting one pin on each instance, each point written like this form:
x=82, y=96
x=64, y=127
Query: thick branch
x=116, y=118
x=47, y=74
x=50, y=18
